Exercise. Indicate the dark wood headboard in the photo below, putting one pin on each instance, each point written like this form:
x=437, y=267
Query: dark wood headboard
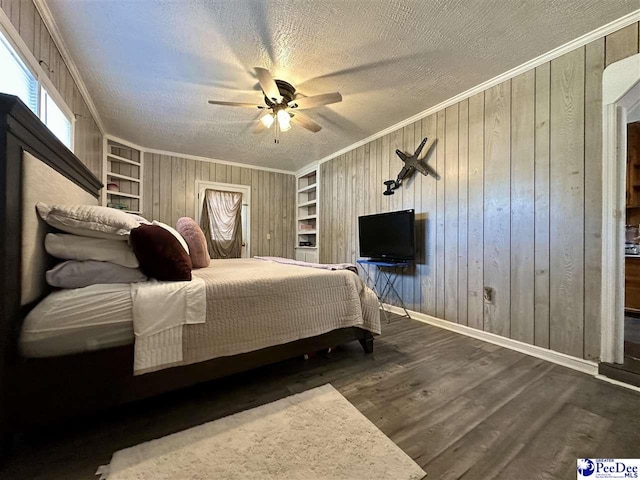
x=21, y=130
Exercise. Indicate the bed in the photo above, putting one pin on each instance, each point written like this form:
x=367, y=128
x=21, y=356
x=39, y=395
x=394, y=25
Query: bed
x=83, y=362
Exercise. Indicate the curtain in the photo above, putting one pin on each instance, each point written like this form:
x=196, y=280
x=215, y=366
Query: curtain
x=221, y=223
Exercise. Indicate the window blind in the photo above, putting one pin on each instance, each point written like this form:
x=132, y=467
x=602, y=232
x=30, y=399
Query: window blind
x=16, y=78
x=53, y=117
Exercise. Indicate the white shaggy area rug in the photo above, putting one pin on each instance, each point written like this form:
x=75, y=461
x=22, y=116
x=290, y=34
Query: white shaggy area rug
x=317, y=434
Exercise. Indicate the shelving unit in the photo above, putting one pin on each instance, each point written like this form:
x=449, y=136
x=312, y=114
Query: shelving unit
x=122, y=177
x=307, y=211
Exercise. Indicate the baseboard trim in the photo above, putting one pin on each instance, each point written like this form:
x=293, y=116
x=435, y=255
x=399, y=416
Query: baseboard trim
x=604, y=378
x=579, y=364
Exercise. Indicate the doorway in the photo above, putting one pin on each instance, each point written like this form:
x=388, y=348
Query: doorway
x=245, y=212
x=620, y=98
x=632, y=237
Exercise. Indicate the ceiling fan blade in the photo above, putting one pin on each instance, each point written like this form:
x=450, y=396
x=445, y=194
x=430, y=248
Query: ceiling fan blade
x=236, y=104
x=268, y=85
x=316, y=100
x=305, y=122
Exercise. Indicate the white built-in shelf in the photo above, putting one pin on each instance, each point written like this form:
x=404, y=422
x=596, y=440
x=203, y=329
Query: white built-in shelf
x=122, y=194
x=123, y=177
x=122, y=167
x=116, y=158
x=308, y=188
x=307, y=207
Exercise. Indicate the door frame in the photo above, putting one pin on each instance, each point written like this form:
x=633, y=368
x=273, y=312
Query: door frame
x=202, y=185
x=620, y=91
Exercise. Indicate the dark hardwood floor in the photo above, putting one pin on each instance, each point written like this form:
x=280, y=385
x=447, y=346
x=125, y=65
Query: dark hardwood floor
x=460, y=407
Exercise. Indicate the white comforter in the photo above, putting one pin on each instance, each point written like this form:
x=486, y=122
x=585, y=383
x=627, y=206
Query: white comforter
x=237, y=306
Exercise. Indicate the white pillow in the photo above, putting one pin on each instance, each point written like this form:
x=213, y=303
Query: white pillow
x=175, y=233
x=74, y=247
x=75, y=274
x=88, y=220
x=140, y=219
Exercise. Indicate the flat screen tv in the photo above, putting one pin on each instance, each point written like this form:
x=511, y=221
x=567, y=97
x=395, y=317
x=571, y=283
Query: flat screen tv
x=388, y=236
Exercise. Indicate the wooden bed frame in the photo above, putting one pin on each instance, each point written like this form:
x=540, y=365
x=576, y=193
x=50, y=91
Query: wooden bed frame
x=36, y=392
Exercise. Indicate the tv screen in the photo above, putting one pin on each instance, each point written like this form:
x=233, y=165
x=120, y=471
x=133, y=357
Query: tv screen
x=388, y=236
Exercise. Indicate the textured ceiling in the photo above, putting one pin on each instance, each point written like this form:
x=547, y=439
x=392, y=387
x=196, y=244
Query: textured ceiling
x=151, y=66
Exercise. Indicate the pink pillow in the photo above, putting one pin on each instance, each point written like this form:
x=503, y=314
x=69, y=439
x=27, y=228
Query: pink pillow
x=194, y=237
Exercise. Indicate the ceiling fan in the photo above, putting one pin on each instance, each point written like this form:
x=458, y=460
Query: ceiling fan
x=282, y=105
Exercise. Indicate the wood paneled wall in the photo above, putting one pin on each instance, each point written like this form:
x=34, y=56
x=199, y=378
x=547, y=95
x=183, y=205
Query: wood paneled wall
x=517, y=208
x=26, y=19
x=169, y=193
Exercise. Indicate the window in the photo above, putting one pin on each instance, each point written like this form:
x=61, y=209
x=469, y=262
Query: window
x=53, y=117
x=16, y=78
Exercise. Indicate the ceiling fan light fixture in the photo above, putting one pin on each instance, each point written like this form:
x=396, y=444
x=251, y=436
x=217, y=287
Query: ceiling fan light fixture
x=267, y=120
x=284, y=120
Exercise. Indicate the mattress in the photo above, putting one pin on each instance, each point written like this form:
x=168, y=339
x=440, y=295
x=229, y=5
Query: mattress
x=79, y=320
x=247, y=304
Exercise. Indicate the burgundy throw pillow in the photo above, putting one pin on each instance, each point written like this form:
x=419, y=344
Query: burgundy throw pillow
x=160, y=254
x=193, y=235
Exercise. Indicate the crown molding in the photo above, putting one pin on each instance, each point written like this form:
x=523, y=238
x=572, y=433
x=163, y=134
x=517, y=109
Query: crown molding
x=51, y=25
x=307, y=169
x=514, y=72
x=195, y=157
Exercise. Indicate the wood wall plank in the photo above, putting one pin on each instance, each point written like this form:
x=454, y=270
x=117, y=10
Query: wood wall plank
x=567, y=203
x=475, y=305
x=541, y=207
x=147, y=185
x=341, y=212
x=395, y=200
x=497, y=271
x=360, y=179
x=349, y=171
x=278, y=216
x=451, y=198
x=463, y=211
x=27, y=23
x=522, y=199
x=429, y=127
x=621, y=44
x=190, y=189
x=255, y=213
x=408, y=201
x=440, y=218
x=178, y=187
x=594, y=66
x=420, y=223
x=156, y=184
x=337, y=188
x=165, y=199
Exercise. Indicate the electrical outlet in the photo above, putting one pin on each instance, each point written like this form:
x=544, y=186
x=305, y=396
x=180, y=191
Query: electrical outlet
x=268, y=236
x=487, y=293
